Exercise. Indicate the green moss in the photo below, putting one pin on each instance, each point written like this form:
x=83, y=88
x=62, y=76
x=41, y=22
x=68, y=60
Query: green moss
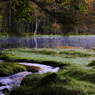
x=33, y=56
x=79, y=73
x=53, y=84
x=73, y=53
x=92, y=63
x=48, y=52
x=44, y=51
x=10, y=68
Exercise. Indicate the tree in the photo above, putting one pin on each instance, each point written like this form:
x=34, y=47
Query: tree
x=0, y=22
x=37, y=16
x=65, y=14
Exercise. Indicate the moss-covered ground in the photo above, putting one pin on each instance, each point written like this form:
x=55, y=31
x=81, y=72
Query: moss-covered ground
x=75, y=77
x=7, y=68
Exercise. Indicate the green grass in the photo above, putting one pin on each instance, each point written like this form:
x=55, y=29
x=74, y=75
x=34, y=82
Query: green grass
x=10, y=68
x=47, y=54
x=73, y=53
x=53, y=84
x=76, y=76
x=92, y=63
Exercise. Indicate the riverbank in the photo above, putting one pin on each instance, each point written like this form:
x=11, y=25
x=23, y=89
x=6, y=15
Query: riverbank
x=7, y=68
x=75, y=77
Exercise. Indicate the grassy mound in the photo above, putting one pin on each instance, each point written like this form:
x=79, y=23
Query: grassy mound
x=52, y=84
x=10, y=68
x=79, y=74
x=76, y=76
x=92, y=63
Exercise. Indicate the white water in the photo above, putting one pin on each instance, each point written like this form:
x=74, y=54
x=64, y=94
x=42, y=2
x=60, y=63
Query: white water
x=43, y=68
x=15, y=79
x=12, y=80
x=1, y=60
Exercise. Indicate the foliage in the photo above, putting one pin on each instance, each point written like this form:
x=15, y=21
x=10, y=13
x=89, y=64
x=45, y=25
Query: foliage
x=1, y=17
x=53, y=16
x=22, y=8
x=65, y=12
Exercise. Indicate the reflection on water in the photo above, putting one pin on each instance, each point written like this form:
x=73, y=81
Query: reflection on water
x=30, y=42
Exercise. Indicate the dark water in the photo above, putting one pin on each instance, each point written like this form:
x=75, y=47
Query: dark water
x=51, y=42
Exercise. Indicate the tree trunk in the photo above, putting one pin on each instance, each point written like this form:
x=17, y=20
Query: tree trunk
x=36, y=24
x=10, y=21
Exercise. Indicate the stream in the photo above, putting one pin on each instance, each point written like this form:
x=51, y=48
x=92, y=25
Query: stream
x=8, y=82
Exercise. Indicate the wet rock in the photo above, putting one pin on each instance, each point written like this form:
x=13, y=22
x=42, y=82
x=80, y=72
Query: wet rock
x=1, y=93
x=32, y=68
x=1, y=84
x=5, y=90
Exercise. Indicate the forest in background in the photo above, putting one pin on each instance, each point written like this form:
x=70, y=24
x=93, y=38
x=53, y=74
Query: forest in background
x=43, y=22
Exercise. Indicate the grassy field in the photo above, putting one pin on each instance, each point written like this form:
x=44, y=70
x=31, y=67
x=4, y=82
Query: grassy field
x=75, y=77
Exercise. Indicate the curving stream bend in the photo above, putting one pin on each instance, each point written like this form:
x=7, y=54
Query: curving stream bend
x=6, y=83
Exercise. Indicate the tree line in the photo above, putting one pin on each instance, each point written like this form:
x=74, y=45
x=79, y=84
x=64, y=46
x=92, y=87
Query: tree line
x=19, y=17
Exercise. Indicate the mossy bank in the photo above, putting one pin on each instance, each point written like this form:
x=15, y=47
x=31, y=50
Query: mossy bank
x=76, y=76
x=7, y=68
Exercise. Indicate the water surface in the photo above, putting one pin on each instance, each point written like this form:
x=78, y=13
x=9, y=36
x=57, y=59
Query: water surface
x=51, y=42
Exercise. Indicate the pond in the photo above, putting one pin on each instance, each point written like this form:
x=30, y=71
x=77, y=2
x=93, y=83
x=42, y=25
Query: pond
x=51, y=42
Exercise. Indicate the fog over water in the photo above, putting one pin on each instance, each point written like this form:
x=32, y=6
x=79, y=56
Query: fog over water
x=51, y=42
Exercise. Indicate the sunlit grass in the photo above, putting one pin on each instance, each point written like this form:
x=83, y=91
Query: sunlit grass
x=77, y=56
x=76, y=76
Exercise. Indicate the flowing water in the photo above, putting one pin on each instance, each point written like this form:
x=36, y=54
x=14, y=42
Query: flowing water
x=6, y=83
x=14, y=80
